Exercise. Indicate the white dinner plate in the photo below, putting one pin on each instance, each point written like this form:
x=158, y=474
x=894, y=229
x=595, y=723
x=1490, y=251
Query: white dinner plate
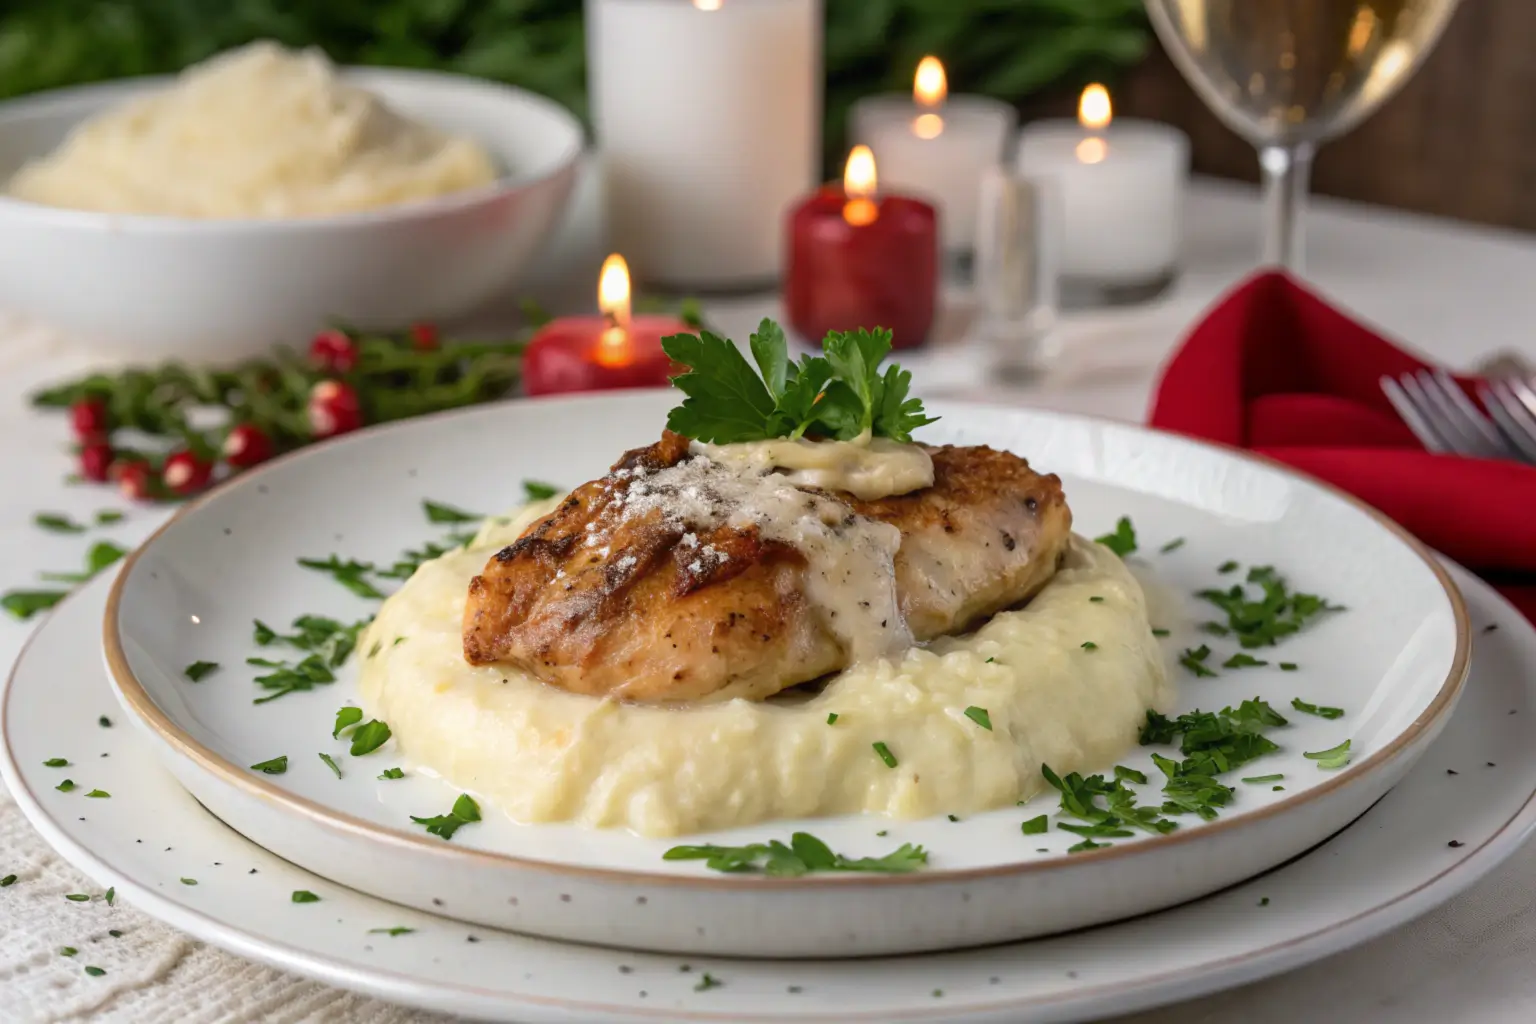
x=1394, y=661
x=1432, y=836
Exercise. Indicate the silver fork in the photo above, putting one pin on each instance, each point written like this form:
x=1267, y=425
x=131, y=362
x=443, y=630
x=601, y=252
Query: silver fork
x=1441, y=416
x=1512, y=404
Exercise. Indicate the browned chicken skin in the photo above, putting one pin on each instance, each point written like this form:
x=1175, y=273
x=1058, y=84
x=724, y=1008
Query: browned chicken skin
x=641, y=608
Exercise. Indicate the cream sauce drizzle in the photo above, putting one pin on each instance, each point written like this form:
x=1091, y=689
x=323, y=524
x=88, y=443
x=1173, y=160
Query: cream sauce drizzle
x=866, y=467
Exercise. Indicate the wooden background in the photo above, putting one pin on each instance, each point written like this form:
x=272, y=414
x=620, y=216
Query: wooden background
x=1458, y=140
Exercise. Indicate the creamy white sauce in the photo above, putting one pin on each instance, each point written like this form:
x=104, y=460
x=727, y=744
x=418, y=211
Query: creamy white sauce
x=866, y=467
x=851, y=576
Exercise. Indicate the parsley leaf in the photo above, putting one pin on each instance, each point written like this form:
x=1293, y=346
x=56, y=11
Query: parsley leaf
x=1313, y=709
x=198, y=669
x=23, y=604
x=273, y=766
x=980, y=717
x=1034, y=826
x=804, y=854
x=1333, y=757
x=437, y=512
x=304, y=896
x=464, y=811
x=393, y=773
x=533, y=490
x=727, y=401
x=370, y=736
x=397, y=930
x=350, y=574
x=56, y=762
x=885, y=754
x=331, y=764
x=1123, y=540
x=56, y=522
x=345, y=719
x=1277, y=612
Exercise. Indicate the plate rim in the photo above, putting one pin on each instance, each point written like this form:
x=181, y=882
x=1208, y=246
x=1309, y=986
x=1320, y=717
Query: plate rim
x=136, y=697
x=1161, y=990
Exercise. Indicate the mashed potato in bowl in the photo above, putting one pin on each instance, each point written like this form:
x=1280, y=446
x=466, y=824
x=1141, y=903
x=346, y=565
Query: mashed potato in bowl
x=258, y=132
x=1066, y=681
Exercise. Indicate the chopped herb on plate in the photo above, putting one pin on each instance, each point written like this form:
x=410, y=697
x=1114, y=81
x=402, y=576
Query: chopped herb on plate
x=1172, y=545
x=1089, y=645
x=350, y=574
x=1243, y=660
x=980, y=717
x=707, y=982
x=345, y=719
x=1122, y=540
x=331, y=764
x=56, y=762
x=1314, y=709
x=98, y=794
x=885, y=754
x=199, y=669
x=1333, y=757
x=304, y=896
x=1034, y=826
x=832, y=718
x=95, y=972
x=533, y=490
x=397, y=930
x=1257, y=779
x=274, y=766
x=65, y=786
x=393, y=773
x=438, y=512
x=804, y=854
x=56, y=522
x=370, y=736
x=464, y=811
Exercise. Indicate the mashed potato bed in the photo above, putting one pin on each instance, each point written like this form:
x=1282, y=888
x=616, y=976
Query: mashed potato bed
x=540, y=754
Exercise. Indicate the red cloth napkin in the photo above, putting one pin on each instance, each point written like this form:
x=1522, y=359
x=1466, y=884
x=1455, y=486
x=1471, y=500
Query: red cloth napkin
x=1273, y=368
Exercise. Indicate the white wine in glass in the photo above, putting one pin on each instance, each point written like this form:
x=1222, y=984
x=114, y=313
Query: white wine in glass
x=1288, y=75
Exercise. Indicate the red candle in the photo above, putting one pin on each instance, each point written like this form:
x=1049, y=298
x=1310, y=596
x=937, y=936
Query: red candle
x=862, y=259
x=600, y=353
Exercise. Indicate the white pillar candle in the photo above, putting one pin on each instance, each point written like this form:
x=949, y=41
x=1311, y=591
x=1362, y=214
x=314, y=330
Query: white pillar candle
x=1121, y=188
x=708, y=120
x=936, y=145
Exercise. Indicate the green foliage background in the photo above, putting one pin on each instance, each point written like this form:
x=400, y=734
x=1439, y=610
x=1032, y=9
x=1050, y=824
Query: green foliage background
x=1003, y=48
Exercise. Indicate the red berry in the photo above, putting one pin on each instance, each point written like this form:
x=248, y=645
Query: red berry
x=133, y=479
x=333, y=352
x=96, y=461
x=247, y=445
x=185, y=473
x=89, y=417
x=333, y=409
x=424, y=336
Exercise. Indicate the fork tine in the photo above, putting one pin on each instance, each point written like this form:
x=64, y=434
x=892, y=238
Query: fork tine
x=1512, y=416
x=1464, y=439
x=1410, y=413
x=1470, y=414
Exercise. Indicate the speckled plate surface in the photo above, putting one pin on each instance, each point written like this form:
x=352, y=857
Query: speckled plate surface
x=1390, y=866
x=1395, y=661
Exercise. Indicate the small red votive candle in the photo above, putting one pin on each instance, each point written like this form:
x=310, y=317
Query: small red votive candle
x=861, y=259
x=601, y=353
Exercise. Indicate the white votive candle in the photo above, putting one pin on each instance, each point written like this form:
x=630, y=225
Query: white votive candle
x=1121, y=189
x=708, y=120
x=936, y=145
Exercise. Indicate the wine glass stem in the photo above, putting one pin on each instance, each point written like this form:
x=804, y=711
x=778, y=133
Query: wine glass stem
x=1287, y=170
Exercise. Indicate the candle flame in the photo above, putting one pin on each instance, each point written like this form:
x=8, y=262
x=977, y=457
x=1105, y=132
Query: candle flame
x=929, y=85
x=613, y=302
x=1093, y=110
x=707, y=5
x=859, y=181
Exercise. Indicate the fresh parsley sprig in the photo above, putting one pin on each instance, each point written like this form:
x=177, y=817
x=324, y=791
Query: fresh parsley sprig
x=839, y=394
x=803, y=854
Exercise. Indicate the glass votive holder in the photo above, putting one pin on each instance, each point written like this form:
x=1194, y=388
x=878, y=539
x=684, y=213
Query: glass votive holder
x=1016, y=273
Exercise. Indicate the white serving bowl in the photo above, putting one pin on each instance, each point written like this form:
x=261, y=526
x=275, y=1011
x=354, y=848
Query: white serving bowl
x=151, y=286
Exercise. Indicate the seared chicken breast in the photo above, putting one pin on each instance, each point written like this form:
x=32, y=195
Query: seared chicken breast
x=627, y=591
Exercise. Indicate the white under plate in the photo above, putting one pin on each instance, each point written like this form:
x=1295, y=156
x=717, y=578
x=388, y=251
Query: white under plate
x=1390, y=866
x=1395, y=662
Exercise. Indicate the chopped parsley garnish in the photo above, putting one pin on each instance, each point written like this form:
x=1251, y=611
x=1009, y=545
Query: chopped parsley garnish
x=1276, y=613
x=65, y=786
x=370, y=736
x=104, y=722
x=110, y=894
x=952, y=817
x=706, y=982
x=273, y=766
x=56, y=762
x=1089, y=645
x=23, y=604
x=980, y=717
x=102, y=554
x=304, y=896
x=1314, y=709
x=1215, y=629
x=1124, y=774
x=409, y=562
x=392, y=773
x=77, y=897
x=1122, y=541
x=1079, y=797
x=397, y=930
x=1287, y=666
x=1034, y=826
x=108, y=516
x=534, y=490
x=68, y=951
x=98, y=794
x=350, y=574
x=95, y=972
x=1086, y=845
x=1096, y=599
x=437, y=512
x=1212, y=744
x=1156, y=631
x=464, y=811
x=885, y=754
x=1194, y=660
x=331, y=764
x=7, y=881
x=1107, y=829
x=57, y=522
x=832, y=718
x=378, y=645
x=346, y=718
x=1333, y=757
x=803, y=854
x=1226, y=567
x=1258, y=779
x=839, y=394
x=1172, y=545
x=328, y=642
x=1243, y=660
x=189, y=881
x=199, y=669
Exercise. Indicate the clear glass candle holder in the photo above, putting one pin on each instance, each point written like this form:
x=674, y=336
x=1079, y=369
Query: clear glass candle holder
x=1016, y=273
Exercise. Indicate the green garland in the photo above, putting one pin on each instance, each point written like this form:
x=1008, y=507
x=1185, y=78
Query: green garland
x=1003, y=48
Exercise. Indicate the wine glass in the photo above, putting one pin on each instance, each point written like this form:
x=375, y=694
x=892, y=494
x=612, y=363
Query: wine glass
x=1288, y=75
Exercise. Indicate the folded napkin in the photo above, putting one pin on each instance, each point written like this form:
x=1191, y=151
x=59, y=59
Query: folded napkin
x=1273, y=368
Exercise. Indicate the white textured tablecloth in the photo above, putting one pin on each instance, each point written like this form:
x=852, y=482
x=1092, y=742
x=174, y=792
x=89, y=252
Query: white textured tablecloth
x=1458, y=293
